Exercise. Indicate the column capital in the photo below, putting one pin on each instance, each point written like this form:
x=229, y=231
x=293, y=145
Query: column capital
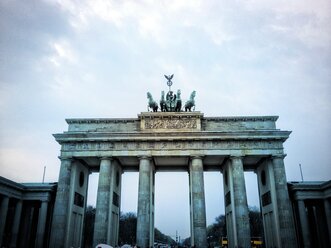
x=69, y=158
x=232, y=157
x=17, y=200
x=145, y=157
x=66, y=163
x=106, y=158
x=275, y=156
x=198, y=156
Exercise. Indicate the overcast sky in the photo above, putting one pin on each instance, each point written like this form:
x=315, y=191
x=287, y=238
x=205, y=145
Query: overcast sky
x=67, y=59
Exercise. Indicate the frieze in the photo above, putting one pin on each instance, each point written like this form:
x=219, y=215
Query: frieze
x=98, y=121
x=243, y=118
x=170, y=145
x=182, y=123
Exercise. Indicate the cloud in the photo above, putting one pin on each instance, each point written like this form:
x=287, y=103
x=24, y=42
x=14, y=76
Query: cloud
x=62, y=59
x=63, y=52
x=26, y=29
x=307, y=21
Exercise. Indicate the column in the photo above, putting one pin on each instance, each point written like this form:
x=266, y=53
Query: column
x=198, y=205
x=103, y=201
x=152, y=208
x=16, y=223
x=191, y=209
x=144, y=203
x=41, y=224
x=25, y=228
x=241, y=213
x=61, y=207
x=327, y=209
x=268, y=204
x=304, y=223
x=3, y=216
x=114, y=206
x=285, y=214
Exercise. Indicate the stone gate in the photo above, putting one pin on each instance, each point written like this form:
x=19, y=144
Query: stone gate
x=172, y=141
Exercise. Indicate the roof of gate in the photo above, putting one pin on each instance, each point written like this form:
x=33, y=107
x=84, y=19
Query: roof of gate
x=171, y=138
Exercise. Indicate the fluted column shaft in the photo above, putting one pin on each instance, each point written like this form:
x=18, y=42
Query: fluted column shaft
x=304, y=223
x=198, y=203
x=41, y=224
x=285, y=214
x=327, y=208
x=3, y=216
x=144, y=203
x=240, y=203
x=61, y=208
x=16, y=223
x=103, y=203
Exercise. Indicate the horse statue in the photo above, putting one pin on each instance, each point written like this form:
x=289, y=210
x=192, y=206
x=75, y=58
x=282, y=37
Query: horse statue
x=170, y=101
x=190, y=103
x=178, y=102
x=151, y=103
x=163, y=105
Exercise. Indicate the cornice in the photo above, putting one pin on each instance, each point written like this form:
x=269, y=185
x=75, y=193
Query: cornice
x=100, y=120
x=146, y=136
x=24, y=188
x=174, y=114
x=310, y=185
x=242, y=118
x=170, y=114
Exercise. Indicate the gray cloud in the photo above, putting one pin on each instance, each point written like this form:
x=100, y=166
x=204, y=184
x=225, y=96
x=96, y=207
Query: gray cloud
x=63, y=59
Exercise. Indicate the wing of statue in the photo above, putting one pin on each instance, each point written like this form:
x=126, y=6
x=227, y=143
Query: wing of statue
x=169, y=77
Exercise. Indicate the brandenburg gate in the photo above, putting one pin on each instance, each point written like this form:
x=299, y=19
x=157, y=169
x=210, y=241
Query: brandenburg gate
x=172, y=141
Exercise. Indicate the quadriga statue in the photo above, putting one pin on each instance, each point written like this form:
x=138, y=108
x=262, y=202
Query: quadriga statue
x=190, y=103
x=151, y=103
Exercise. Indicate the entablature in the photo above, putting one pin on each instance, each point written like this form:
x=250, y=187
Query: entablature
x=152, y=136
x=170, y=148
x=172, y=121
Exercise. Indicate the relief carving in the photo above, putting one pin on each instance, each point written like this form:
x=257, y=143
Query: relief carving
x=163, y=145
x=171, y=145
x=151, y=145
x=170, y=124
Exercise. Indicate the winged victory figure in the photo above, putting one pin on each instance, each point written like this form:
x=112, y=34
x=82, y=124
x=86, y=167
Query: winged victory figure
x=169, y=77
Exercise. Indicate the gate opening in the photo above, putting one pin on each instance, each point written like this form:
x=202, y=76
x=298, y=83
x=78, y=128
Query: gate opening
x=255, y=216
x=172, y=210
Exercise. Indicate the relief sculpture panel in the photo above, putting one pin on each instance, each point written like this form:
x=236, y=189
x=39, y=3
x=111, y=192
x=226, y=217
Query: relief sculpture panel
x=170, y=145
x=170, y=124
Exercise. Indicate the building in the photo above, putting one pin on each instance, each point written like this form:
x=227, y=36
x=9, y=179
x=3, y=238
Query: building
x=26, y=211
x=311, y=203
x=171, y=140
